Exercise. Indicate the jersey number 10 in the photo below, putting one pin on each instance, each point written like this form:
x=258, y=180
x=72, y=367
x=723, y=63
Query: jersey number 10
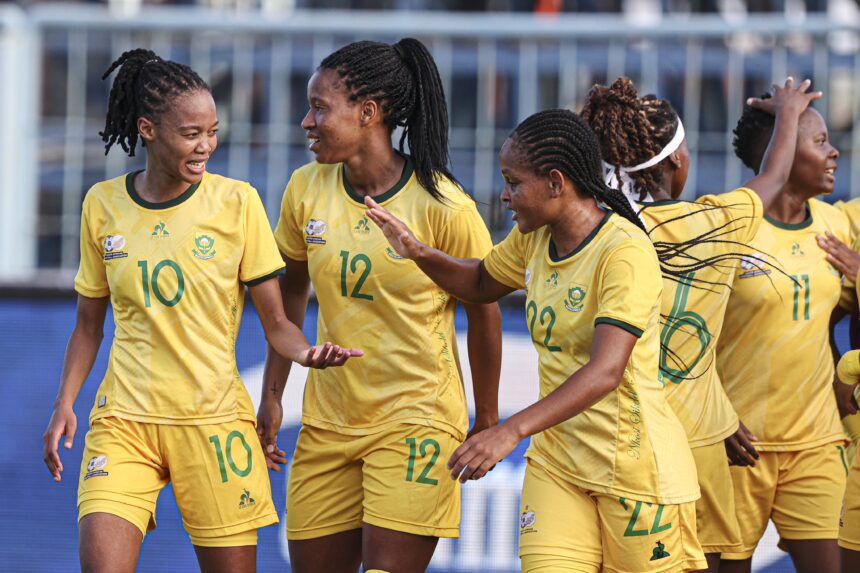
x=152, y=284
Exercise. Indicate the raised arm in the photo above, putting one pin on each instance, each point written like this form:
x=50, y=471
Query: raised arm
x=787, y=104
x=466, y=279
x=81, y=353
x=610, y=353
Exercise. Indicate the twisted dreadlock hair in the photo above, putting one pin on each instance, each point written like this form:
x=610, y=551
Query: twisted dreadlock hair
x=560, y=139
x=404, y=79
x=144, y=87
x=631, y=130
x=752, y=135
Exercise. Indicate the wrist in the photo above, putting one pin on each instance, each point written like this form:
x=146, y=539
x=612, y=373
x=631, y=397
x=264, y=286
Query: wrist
x=516, y=427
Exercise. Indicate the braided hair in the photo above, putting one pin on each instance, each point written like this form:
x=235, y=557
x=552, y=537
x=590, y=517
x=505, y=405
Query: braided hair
x=631, y=130
x=752, y=135
x=404, y=79
x=560, y=139
x=144, y=87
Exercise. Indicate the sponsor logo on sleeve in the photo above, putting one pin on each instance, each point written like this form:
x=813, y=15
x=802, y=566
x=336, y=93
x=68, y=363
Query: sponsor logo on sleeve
x=314, y=232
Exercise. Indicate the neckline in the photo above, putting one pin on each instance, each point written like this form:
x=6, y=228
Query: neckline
x=129, y=187
x=408, y=169
x=792, y=226
x=553, y=250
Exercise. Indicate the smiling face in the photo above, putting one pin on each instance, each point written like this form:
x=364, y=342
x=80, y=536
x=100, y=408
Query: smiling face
x=527, y=194
x=184, y=136
x=333, y=122
x=815, y=158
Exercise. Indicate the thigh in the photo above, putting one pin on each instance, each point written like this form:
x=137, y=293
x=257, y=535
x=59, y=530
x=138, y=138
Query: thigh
x=642, y=536
x=219, y=479
x=754, y=491
x=122, y=472
x=109, y=544
x=559, y=523
x=396, y=551
x=849, y=525
x=228, y=559
x=335, y=553
x=407, y=485
x=716, y=521
x=809, y=493
x=324, y=488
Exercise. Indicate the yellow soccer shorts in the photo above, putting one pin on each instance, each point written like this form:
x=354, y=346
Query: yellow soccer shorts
x=849, y=521
x=716, y=521
x=566, y=528
x=396, y=478
x=800, y=491
x=218, y=472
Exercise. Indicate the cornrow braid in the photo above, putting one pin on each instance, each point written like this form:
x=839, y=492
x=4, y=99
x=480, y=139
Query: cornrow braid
x=752, y=135
x=560, y=139
x=144, y=87
x=404, y=79
x=630, y=129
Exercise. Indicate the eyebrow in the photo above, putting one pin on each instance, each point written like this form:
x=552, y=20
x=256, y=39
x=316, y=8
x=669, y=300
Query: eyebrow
x=194, y=126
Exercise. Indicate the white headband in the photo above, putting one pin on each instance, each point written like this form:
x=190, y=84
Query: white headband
x=626, y=183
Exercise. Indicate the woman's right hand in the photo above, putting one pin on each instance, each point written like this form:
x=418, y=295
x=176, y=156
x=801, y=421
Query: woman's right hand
x=63, y=423
x=397, y=233
x=740, y=448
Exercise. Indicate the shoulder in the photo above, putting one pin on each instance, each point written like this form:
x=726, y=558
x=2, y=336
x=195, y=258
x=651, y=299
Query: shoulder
x=104, y=193
x=314, y=171
x=453, y=199
x=228, y=189
x=832, y=217
x=621, y=238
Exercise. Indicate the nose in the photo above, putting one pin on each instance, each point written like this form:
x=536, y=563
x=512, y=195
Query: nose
x=505, y=196
x=308, y=120
x=834, y=153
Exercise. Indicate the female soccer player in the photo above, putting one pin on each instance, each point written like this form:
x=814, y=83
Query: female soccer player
x=775, y=362
x=849, y=524
x=171, y=248
x=367, y=480
x=645, y=155
x=610, y=481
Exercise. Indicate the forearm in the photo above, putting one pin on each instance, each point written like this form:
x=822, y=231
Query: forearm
x=485, y=358
x=80, y=356
x=583, y=389
x=463, y=278
x=778, y=158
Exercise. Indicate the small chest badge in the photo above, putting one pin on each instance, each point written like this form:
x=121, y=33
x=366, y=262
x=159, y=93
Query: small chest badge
x=314, y=231
x=205, y=247
x=575, y=298
x=114, y=247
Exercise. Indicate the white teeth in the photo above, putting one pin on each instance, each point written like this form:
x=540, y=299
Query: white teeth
x=830, y=171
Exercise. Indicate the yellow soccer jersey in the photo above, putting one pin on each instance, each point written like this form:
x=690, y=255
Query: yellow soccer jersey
x=774, y=355
x=851, y=208
x=174, y=272
x=693, y=307
x=630, y=443
x=373, y=299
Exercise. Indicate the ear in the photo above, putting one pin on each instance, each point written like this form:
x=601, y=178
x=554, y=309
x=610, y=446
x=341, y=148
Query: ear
x=675, y=160
x=146, y=129
x=370, y=112
x=556, y=183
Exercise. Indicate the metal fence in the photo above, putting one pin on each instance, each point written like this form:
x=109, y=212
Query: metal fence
x=497, y=69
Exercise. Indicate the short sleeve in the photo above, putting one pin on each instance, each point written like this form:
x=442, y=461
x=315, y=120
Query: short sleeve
x=507, y=261
x=465, y=236
x=91, y=280
x=260, y=260
x=288, y=232
x=851, y=209
x=850, y=295
x=742, y=210
x=630, y=288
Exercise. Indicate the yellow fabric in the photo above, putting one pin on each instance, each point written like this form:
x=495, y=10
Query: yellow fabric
x=849, y=520
x=800, y=491
x=851, y=208
x=242, y=539
x=396, y=478
x=222, y=489
x=371, y=298
x=774, y=356
x=175, y=278
x=716, y=520
x=693, y=309
x=629, y=444
x=583, y=530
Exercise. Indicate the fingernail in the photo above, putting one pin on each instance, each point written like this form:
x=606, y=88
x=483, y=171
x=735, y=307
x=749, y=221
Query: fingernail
x=749, y=101
x=270, y=448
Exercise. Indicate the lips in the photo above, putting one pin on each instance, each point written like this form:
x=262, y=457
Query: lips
x=314, y=142
x=196, y=167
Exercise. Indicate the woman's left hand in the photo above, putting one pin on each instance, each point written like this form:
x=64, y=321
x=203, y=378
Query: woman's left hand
x=477, y=455
x=328, y=354
x=840, y=255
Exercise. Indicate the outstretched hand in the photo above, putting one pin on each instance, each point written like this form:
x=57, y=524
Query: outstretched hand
x=397, y=233
x=328, y=354
x=840, y=255
x=787, y=98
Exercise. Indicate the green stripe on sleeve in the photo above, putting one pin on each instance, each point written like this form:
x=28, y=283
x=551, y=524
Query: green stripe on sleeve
x=637, y=332
x=264, y=278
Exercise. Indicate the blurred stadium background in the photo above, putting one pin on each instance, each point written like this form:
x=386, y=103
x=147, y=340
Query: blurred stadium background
x=500, y=60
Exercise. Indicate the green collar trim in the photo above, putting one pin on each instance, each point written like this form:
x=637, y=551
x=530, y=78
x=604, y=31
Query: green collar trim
x=791, y=226
x=553, y=251
x=408, y=169
x=129, y=186
x=659, y=203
